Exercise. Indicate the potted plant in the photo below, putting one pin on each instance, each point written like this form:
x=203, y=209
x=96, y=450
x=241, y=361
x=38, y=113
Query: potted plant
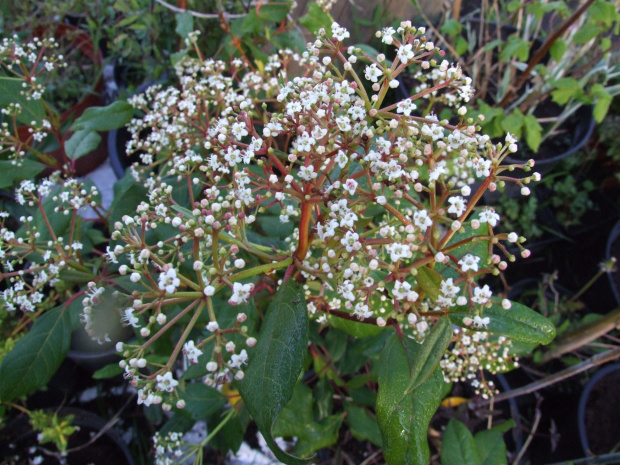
x=280, y=221
x=541, y=70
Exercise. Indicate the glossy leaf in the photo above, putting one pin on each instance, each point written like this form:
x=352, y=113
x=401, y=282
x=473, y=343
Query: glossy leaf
x=404, y=418
x=202, y=401
x=82, y=143
x=36, y=356
x=520, y=323
x=127, y=196
x=114, y=116
x=430, y=353
x=458, y=446
x=275, y=363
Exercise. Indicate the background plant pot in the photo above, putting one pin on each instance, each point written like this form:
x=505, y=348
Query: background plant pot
x=18, y=438
x=82, y=42
x=599, y=412
x=575, y=132
x=613, y=250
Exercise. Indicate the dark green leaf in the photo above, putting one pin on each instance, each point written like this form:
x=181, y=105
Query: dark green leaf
x=178, y=423
x=296, y=420
x=202, y=401
x=491, y=447
x=363, y=425
x=354, y=328
x=114, y=116
x=82, y=143
x=513, y=123
x=185, y=24
x=275, y=363
x=404, y=418
x=430, y=353
x=36, y=356
x=32, y=110
x=108, y=371
x=127, y=196
x=458, y=446
x=11, y=173
x=519, y=323
x=316, y=19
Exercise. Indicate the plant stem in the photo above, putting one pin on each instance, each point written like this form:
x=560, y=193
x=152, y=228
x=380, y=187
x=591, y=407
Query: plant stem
x=183, y=337
x=599, y=459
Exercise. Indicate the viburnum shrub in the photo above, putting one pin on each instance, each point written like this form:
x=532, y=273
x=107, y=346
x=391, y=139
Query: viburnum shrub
x=285, y=204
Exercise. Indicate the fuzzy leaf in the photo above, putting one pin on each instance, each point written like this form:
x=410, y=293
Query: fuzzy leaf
x=519, y=323
x=275, y=363
x=36, y=356
x=114, y=116
x=458, y=445
x=82, y=143
x=404, y=418
x=430, y=353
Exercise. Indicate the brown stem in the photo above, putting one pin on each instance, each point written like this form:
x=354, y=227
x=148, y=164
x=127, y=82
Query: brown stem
x=542, y=51
x=304, y=231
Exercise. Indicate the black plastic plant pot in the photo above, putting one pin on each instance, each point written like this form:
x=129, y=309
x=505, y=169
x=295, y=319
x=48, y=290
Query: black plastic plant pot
x=94, y=443
x=574, y=133
x=599, y=412
x=613, y=250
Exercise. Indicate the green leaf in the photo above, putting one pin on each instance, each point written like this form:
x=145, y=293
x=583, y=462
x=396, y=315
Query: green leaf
x=363, y=425
x=275, y=11
x=185, y=24
x=603, y=12
x=533, y=132
x=451, y=27
x=127, y=196
x=202, y=401
x=32, y=110
x=354, y=328
x=458, y=446
x=519, y=323
x=114, y=116
x=515, y=47
x=275, y=363
x=603, y=100
x=296, y=420
x=82, y=143
x=513, y=123
x=316, y=19
x=404, y=418
x=586, y=33
x=565, y=89
x=430, y=282
x=108, y=371
x=11, y=173
x=36, y=356
x=558, y=49
x=491, y=447
x=430, y=353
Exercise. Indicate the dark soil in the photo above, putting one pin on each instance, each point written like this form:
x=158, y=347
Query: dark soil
x=603, y=415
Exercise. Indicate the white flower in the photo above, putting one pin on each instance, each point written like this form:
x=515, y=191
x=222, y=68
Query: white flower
x=457, y=205
x=339, y=33
x=241, y=293
x=130, y=318
x=488, y=215
x=361, y=311
x=191, y=352
x=422, y=220
x=482, y=295
x=469, y=262
x=237, y=360
x=168, y=281
x=166, y=382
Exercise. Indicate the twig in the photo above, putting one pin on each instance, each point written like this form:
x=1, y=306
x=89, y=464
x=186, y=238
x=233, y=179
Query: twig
x=532, y=432
x=599, y=459
x=200, y=15
x=591, y=362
